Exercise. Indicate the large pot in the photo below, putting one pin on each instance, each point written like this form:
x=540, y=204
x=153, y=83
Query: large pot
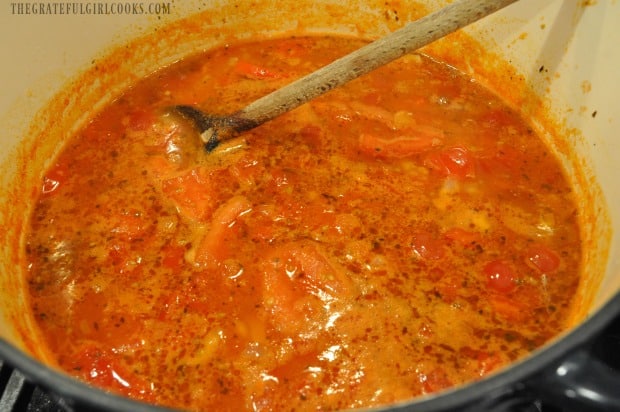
x=555, y=59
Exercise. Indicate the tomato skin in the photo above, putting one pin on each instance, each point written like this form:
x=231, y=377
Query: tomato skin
x=140, y=119
x=449, y=287
x=543, y=259
x=508, y=308
x=461, y=236
x=118, y=254
x=454, y=161
x=255, y=72
x=129, y=225
x=102, y=369
x=313, y=135
x=397, y=147
x=299, y=279
x=496, y=118
x=502, y=160
x=191, y=193
x=173, y=257
x=500, y=276
x=486, y=361
x=291, y=48
x=426, y=247
x=55, y=178
x=213, y=248
x=49, y=185
x=435, y=380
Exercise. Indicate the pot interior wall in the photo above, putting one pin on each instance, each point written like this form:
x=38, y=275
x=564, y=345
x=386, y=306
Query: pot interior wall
x=565, y=51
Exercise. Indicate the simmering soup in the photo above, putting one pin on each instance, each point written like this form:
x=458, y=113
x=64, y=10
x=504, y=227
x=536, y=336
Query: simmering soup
x=400, y=235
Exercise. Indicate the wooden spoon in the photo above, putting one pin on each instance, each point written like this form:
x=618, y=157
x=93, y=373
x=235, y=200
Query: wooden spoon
x=215, y=129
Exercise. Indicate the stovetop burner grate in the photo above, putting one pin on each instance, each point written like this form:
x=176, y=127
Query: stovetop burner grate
x=19, y=395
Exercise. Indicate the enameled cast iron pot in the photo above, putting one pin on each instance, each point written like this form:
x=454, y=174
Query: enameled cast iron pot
x=555, y=59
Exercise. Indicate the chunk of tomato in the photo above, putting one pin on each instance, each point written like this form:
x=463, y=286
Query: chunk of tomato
x=435, y=380
x=496, y=118
x=140, y=119
x=427, y=247
x=488, y=362
x=256, y=72
x=103, y=369
x=508, y=308
x=500, y=276
x=213, y=248
x=288, y=48
x=397, y=147
x=502, y=160
x=313, y=135
x=129, y=224
x=299, y=279
x=173, y=257
x=461, y=236
x=191, y=193
x=453, y=161
x=543, y=259
x=247, y=171
x=449, y=286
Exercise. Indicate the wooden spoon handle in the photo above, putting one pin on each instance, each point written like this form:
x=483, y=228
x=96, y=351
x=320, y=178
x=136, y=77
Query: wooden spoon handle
x=382, y=51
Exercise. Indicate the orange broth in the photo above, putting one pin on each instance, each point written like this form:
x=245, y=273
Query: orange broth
x=400, y=235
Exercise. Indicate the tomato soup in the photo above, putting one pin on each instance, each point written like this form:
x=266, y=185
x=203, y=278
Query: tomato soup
x=403, y=234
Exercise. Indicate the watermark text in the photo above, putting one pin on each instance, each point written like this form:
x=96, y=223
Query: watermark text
x=90, y=8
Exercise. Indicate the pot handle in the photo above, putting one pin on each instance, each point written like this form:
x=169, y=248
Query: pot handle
x=581, y=382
